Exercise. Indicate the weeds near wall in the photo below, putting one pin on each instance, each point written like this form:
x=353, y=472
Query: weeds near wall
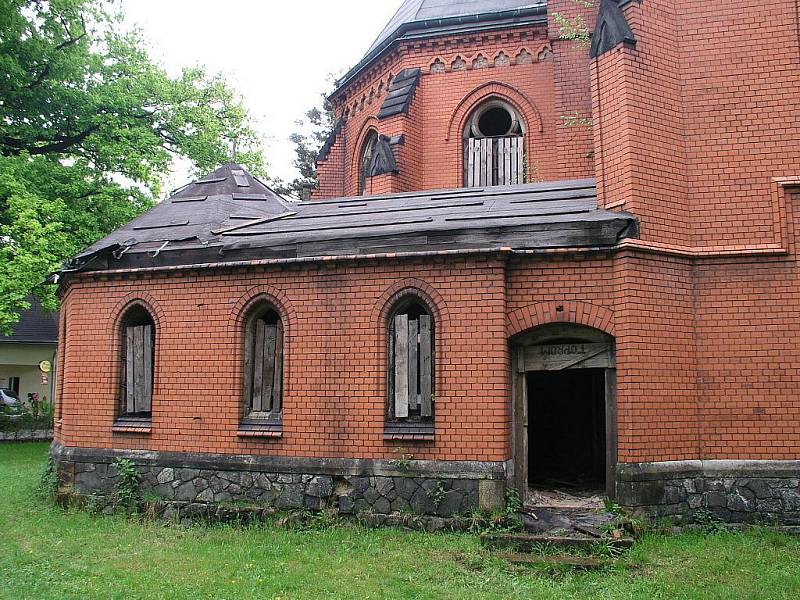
x=126, y=488
x=575, y=28
x=48, y=481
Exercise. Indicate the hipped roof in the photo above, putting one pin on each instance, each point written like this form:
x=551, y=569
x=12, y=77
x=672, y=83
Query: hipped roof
x=220, y=219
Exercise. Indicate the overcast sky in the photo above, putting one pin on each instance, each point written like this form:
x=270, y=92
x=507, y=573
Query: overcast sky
x=276, y=54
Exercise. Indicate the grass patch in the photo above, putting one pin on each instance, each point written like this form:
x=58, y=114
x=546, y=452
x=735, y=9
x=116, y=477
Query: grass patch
x=46, y=552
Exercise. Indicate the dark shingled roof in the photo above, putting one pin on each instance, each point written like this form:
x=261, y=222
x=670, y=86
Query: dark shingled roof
x=35, y=326
x=215, y=221
x=401, y=93
x=424, y=18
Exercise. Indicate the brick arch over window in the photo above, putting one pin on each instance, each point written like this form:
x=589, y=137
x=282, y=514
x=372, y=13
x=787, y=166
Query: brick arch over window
x=494, y=89
x=146, y=301
x=580, y=313
x=423, y=291
x=254, y=296
x=248, y=306
x=370, y=125
x=135, y=344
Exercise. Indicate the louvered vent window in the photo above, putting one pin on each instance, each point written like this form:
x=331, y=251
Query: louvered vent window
x=411, y=366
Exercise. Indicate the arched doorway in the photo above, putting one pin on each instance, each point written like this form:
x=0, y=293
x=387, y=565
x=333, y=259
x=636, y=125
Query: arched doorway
x=564, y=389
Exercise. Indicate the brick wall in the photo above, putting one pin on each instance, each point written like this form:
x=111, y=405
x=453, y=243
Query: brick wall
x=335, y=360
x=543, y=77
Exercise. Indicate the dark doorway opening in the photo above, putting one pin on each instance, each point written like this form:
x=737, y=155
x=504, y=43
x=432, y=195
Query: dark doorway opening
x=567, y=429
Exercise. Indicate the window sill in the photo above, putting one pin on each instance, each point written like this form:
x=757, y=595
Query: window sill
x=256, y=428
x=130, y=425
x=409, y=432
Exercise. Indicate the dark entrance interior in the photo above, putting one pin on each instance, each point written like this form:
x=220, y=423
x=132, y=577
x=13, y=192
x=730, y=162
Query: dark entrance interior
x=567, y=429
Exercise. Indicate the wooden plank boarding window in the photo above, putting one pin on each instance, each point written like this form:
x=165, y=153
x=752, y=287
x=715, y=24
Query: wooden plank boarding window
x=494, y=161
x=410, y=403
x=138, y=365
x=263, y=367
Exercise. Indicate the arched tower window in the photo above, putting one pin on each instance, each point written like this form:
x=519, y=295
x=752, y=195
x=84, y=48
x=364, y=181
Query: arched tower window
x=263, y=372
x=365, y=160
x=494, y=145
x=138, y=363
x=411, y=362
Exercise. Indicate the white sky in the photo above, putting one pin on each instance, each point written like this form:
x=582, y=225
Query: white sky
x=277, y=55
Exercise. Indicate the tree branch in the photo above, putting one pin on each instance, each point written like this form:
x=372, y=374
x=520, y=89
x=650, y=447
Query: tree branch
x=71, y=40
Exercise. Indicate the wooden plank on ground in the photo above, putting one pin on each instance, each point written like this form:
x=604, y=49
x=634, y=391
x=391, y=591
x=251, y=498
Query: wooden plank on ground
x=413, y=364
x=138, y=367
x=277, y=387
x=401, y=366
x=147, y=399
x=425, y=365
x=268, y=375
x=130, y=391
x=258, y=367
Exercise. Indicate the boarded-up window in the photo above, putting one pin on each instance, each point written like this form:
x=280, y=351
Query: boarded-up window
x=411, y=364
x=263, y=364
x=494, y=142
x=138, y=363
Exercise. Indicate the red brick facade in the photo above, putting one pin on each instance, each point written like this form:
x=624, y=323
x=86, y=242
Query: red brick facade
x=695, y=132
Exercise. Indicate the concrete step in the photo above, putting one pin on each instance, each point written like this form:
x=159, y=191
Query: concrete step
x=569, y=560
x=527, y=542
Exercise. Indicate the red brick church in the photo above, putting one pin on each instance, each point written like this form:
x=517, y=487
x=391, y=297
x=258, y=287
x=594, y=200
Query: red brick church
x=529, y=264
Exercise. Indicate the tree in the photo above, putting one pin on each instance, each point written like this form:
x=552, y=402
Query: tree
x=312, y=133
x=89, y=128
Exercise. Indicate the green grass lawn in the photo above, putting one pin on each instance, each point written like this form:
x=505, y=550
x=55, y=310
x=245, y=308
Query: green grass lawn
x=46, y=552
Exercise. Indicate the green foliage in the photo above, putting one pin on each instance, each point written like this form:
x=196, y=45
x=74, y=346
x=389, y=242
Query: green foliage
x=48, y=481
x=47, y=552
x=513, y=501
x=89, y=128
x=708, y=522
x=436, y=495
x=403, y=461
x=313, y=131
x=32, y=416
x=575, y=28
x=126, y=487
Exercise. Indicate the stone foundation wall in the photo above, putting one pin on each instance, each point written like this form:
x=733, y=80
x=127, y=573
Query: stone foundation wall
x=732, y=491
x=441, y=489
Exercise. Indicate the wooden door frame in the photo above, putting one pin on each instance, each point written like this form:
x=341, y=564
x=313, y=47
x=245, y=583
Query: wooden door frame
x=548, y=335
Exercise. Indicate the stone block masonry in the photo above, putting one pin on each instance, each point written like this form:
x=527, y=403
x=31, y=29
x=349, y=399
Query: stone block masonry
x=732, y=491
x=208, y=482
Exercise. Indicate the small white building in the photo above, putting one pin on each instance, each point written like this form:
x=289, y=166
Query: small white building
x=32, y=342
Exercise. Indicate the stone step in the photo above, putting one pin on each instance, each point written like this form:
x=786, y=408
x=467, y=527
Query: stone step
x=526, y=542
x=569, y=560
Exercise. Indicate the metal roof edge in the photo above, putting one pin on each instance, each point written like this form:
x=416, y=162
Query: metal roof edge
x=430, y=23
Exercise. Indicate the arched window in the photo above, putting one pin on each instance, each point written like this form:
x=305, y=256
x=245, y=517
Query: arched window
x=411, y=363
x=365, y=161
x=263, y=372
x=494, y=145
x=138, y=363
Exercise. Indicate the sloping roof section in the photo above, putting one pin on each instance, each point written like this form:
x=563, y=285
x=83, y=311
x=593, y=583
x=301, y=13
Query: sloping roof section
x=401, y=93
x=422, y=11
x=226, y=225
x=423, y=18
x=35, y=326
